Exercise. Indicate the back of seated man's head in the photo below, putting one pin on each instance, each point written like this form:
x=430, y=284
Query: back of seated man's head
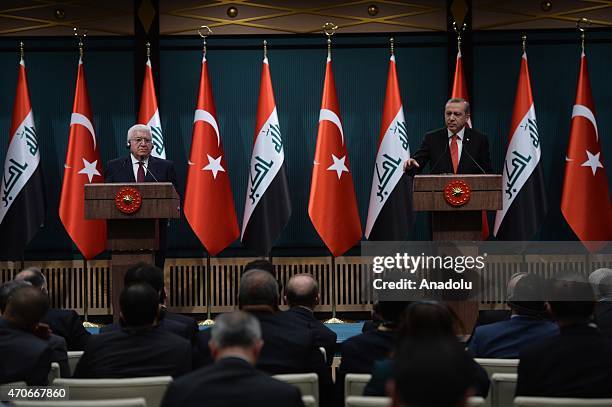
x=391, y=312
x=601, y=280
x=431, y=373
x=236, y=334
x=258, y=287
x=34, y=276
x=570, y=298
x=25, y=307
x=139, y=305
x=302, y=290
x=525, y=295
x=7, y=288
x=146, y=273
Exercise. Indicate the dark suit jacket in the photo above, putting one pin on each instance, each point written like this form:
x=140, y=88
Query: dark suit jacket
x=165, y=324
x=158, y=170
x=436, y=151
x=575, y=363
x=505, y=339
x=24, y=356
x=138, y=352
x=191, y=323
x=68, y=324
x=231, y=382
x=59, y=354
x=603, y=316
x=325, y=337
x=289, y=347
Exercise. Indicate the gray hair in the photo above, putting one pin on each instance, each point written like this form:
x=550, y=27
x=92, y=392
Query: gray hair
x=460, y=100
x=600, y=286
x=138, y=128
x=236, y=329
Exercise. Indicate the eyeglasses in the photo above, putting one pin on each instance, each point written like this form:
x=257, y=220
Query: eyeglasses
x=142, y=140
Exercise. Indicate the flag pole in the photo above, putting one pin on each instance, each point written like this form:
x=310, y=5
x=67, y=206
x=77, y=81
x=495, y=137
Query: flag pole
x=582, y=25
x=208, y=321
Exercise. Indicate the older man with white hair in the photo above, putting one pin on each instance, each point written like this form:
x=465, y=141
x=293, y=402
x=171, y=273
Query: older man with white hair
x=141, y=166
x=601, y=280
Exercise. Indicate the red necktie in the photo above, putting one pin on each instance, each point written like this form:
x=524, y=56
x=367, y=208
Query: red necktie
x=454, y=148
x=140, y=177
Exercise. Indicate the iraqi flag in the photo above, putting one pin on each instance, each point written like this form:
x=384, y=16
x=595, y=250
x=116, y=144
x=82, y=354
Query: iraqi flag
x=524, y=197
x=209, y=203
x=332, y=206
x=149, y=112
x=585, y=200
x=389, y=213
x=460, y=90
x=82, y=167
x=267, y=208
x=22, y=209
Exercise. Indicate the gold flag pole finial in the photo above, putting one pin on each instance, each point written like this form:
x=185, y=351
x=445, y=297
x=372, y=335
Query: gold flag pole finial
x=459, y=34
x=391, y=42
x=21, y=52
x=265, y=46
x=524, y=43
x=583, y=25
x=81, y=37
x=204, y=31
x=329, y=29
x=148, y=45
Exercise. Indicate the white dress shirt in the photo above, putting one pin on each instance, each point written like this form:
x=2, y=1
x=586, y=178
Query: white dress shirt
x=135, y=162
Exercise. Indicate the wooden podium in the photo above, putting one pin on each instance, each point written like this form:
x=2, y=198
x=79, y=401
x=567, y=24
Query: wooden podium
x=132, y=237
x=456, y=223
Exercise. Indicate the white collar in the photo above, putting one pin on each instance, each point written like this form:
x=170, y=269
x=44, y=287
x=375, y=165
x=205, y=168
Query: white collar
x=136, y=161
x=459, y=134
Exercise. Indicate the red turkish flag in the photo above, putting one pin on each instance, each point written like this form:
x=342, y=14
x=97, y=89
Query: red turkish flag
x=585, y=201
x=209, y=203
x=460, y=90
x=332, y=206
x=83, y=166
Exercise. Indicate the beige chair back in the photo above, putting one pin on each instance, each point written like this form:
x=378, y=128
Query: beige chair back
x=498, y=365
x=354, y=383
x=137, y=402
x=309, y=401
x=503, y=387
x=54, y=372
x=476, y=402
x=73, y=359
x=308, y=383
x=561, y=402
x=364, y=401
x=152, y=389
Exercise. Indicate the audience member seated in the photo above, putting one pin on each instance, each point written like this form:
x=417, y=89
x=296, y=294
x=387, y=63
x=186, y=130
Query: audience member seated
x=65, y=323
x=431, y=372
x=140, y=348
x=265, y=265
x=601, y=280
x=578, y=361
x=376, y=320
x=25, y=357
x=57, y=344
x=527, y=324
x=427, y=321
x=289, y=347
x=302, y=296
x=233, y=380
x=154, y=276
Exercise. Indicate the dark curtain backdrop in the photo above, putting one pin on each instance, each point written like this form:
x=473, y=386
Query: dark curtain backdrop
x=298, y=64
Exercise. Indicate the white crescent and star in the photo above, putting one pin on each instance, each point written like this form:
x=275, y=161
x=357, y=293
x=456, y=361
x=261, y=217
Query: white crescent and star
x=328, y=115
x=592, y=161
x=204, y=116
x=338, y=165
x=214, y=165
x=89, y=169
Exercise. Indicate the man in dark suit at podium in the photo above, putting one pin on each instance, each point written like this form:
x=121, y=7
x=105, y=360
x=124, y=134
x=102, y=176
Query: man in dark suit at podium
x=454, y=149
x=141, y=166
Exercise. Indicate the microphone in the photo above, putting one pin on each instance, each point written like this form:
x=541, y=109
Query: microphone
x=464, y=150
x=431, y=171
x=148, y=171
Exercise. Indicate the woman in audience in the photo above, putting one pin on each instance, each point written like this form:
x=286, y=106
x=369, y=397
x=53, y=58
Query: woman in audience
x=422, y=321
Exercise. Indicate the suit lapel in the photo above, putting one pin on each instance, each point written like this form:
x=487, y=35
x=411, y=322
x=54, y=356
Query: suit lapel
x=446, y=160
x=151, y=168
x=128, y=170
x=466, y=145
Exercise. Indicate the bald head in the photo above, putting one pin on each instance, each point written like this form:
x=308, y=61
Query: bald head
x=302, y=290
x=34, y=276
x=258, y=287
x=26, y=306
